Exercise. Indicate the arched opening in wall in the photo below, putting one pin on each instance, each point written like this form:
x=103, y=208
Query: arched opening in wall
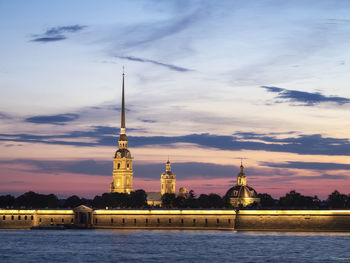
x=96, y=221
x=158, y=220
x=3, y=217
x=218, y=221
x=12, y=218
x=182, y=221
x=111, y=220
x=135, y=221
x=123, y=220
x=118, y=165
x=62, y=220
x=40, y=220
x=169, y=220
x=146, y=221
x=206, y=221
x=31, y=217
x=72, y=221
x=51, y=221
x=229, y=221
x=194, y=221
x=25, y=217
x=19, y=217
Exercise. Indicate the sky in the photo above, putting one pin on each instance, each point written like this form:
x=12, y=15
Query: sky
x=208, y=83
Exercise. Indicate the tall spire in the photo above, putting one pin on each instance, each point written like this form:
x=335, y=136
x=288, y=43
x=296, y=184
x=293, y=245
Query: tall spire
x=122, y=126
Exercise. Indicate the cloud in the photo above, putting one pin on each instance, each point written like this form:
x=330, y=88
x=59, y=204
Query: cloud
x=59, y=119
x=57, y=33
x=314, y=144
x=149, y=121
x=143, y=60
x=304, y=98
x=308, y=165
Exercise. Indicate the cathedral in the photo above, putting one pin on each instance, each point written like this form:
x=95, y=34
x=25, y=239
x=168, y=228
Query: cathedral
x=239, y=195
x=122, y=161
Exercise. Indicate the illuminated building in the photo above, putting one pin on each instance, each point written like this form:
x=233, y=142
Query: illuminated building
x=122, y=161
x=242, y=194
x=168, y=180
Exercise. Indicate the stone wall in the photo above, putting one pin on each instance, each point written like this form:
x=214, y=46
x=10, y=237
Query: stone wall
x=293, y=220
x=164, y=219
x=242, y=220
x=28, y=218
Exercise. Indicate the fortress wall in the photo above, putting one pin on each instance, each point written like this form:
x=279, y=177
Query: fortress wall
x=293, y=220
x=16, y=218
x=11, y=219
x=164, y=219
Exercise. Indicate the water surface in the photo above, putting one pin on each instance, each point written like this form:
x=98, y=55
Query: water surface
x=171, y=246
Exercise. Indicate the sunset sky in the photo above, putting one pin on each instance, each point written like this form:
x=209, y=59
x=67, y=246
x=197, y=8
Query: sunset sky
x=207, y=83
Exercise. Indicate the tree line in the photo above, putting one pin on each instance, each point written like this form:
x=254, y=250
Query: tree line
x=138, y=199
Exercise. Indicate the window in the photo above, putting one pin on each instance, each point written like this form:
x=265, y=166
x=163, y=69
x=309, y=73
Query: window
x=218, y=221
x=127, y=166
x=112, y=220
x=3, y=217
x=182, y=221
x=146, y=220
x=123, y=220
x=206, y=221
x=51, y=220
x=40, y=220
x=25, y=217
x=169, y=220
x=229, y=221
x=135, y=221
x=96, y=221
x=12, y=218
x=62, y=220
x=72, y=221
x=31, y=217
x=194, y=221
x=118, y=165
x=19, y=217
x=158, y=220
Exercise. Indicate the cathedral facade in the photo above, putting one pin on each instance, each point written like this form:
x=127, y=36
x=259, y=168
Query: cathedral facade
x=168, y=180
x=122, y=161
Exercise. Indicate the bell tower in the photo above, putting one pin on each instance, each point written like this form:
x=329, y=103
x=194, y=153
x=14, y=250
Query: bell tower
x=122, y=161
x=168, y=180
x=241, y=178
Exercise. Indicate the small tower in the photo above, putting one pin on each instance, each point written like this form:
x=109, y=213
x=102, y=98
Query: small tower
x=241, y=178
x=168, y=180
x=122, y=161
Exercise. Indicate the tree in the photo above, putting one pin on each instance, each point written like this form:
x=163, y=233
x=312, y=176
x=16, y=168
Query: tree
x=266, y=200
x=168, y=200
x=7, y=201
x=34, y=200
x=337, y=200
x=72, y=201
x=138, y=199
x=296, y=200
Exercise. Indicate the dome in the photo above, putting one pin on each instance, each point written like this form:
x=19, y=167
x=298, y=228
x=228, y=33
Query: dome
x=241, y=191
x=121, y=153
